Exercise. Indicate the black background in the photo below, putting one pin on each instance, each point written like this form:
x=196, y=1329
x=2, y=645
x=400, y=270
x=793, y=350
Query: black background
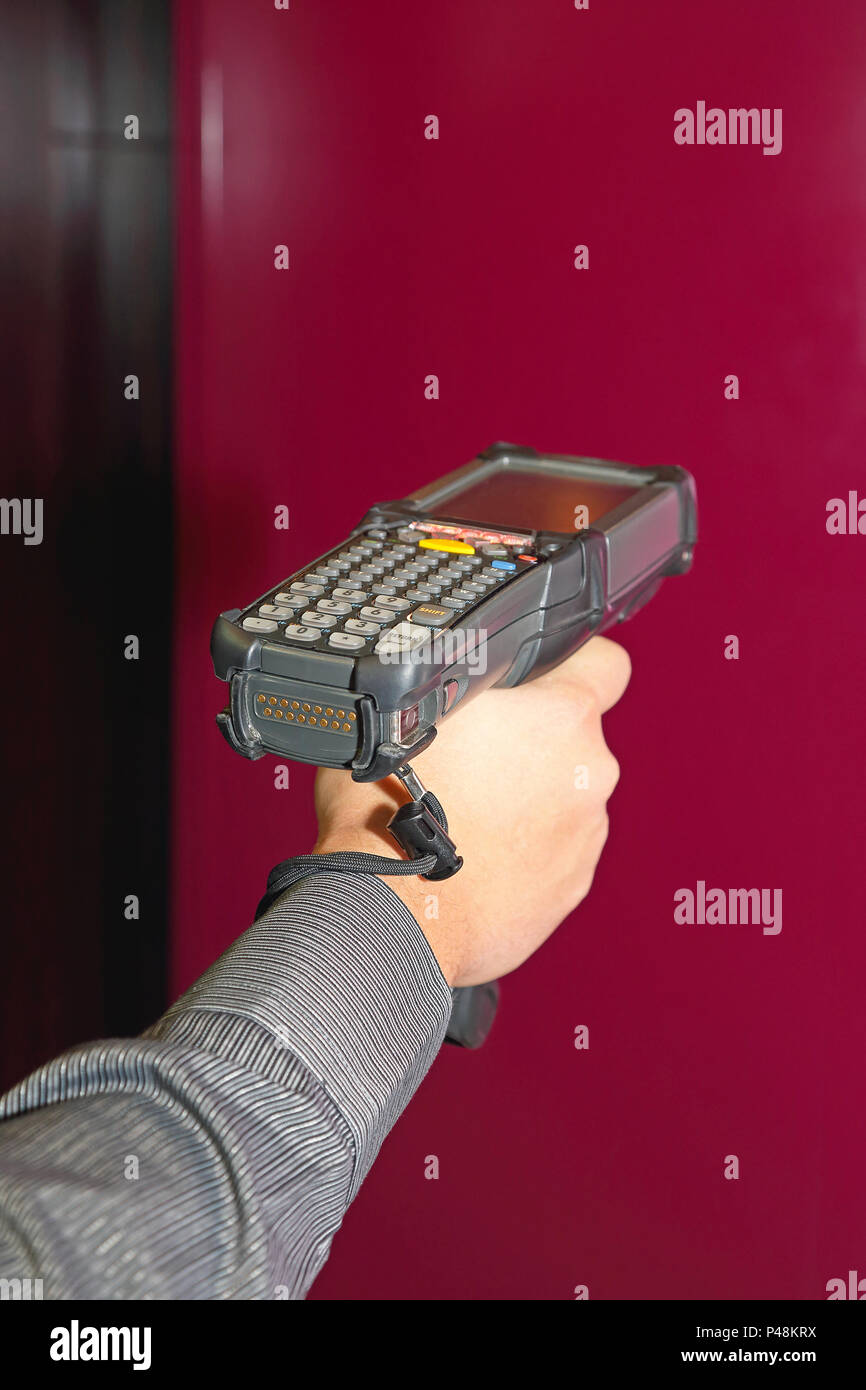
x=86, y=270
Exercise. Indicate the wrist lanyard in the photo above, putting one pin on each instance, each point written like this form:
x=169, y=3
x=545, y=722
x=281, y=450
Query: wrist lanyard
x=420, y=827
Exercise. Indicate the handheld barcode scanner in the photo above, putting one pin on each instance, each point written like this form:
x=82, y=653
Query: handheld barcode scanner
x=491, y=575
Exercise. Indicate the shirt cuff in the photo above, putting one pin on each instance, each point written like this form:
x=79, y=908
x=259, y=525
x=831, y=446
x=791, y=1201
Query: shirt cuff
x=339, y=972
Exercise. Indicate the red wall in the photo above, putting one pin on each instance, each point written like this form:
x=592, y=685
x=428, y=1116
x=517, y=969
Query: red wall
x=561, y=1167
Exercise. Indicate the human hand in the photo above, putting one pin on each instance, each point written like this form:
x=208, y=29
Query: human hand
x=529, y=829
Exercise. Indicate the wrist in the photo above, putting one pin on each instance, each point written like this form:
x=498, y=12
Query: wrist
x=421, y=897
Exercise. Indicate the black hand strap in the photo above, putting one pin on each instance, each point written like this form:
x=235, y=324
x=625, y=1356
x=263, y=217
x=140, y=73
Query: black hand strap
x=420, y=828
x=282, y=876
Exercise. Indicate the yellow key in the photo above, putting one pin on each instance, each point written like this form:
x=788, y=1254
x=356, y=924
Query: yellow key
x=454, y=547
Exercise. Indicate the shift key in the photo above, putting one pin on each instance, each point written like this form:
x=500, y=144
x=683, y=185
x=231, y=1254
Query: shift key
x=431, y=615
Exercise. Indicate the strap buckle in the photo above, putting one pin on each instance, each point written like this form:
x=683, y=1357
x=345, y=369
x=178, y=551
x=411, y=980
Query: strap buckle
x=420, y=827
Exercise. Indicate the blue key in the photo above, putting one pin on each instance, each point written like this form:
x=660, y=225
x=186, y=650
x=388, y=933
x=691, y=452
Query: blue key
x=502, y=565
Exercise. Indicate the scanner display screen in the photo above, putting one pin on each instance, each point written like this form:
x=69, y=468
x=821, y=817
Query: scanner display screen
x=535, y=501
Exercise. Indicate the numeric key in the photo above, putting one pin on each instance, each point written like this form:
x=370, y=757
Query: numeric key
x=395, y=605
x=361, y=628
x=309, y=590
x=375, y=614
x=312, y=619
x=353, y=596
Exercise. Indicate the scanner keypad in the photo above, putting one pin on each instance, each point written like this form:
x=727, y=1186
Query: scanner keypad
x=382, y=583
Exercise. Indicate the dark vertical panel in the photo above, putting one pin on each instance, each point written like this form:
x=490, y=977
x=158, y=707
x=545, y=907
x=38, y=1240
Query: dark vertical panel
x=86, y=286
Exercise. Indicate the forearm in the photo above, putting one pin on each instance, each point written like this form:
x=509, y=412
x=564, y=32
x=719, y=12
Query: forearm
x=214, y=1157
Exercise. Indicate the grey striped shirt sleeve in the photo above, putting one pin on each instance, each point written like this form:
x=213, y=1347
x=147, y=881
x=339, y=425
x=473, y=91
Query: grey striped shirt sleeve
x=214, y=1156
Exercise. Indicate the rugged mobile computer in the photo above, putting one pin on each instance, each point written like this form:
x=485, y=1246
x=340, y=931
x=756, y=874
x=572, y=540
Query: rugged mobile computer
x=490, y=575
